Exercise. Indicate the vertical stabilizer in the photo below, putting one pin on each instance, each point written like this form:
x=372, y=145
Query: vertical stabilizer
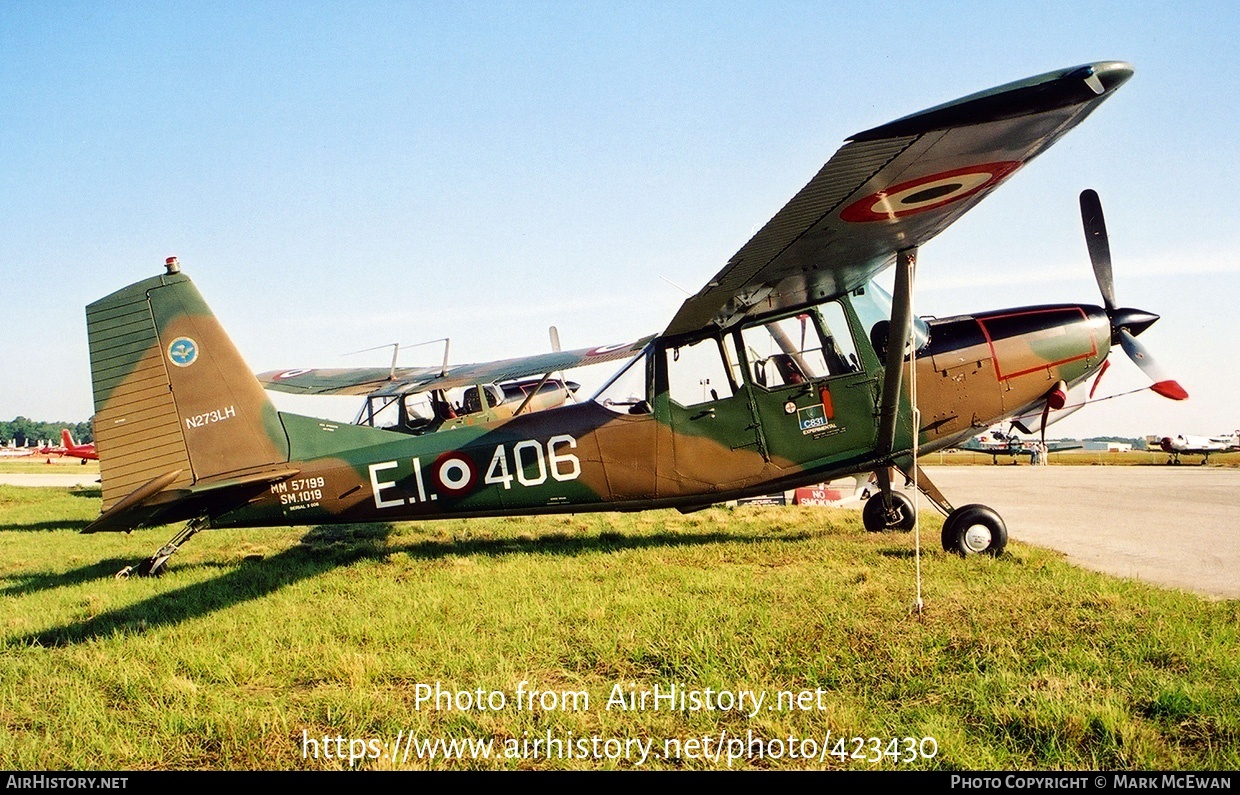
x=172, y=392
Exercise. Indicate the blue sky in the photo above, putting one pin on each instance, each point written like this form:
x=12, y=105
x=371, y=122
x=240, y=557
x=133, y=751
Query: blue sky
x=336, y=176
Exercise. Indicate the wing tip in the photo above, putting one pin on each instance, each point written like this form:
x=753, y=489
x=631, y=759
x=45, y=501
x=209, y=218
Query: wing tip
x=1075, y=85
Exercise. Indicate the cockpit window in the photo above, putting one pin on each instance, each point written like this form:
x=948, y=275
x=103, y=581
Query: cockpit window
x=381, y=412
x=626, y=391
x=797, y=349
x=696, y=373
x=471, y=403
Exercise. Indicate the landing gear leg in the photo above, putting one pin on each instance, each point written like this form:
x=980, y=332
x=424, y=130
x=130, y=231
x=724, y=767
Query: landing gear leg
x=878, y=517
x=969, y=529
x=154, y=565
x=888, y=509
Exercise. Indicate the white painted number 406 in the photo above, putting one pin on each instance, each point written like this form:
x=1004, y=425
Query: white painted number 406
x=532, y=465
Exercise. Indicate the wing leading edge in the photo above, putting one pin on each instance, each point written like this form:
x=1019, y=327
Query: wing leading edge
x=894, y=187
x=383, y=381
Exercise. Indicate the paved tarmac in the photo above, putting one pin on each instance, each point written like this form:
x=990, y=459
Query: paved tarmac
x=1177, y=527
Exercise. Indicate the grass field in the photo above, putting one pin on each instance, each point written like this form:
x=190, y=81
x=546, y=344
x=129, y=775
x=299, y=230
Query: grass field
x=39, y=464
x=258, y=642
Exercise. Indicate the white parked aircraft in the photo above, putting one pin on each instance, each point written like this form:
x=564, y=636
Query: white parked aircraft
x=1194, y=445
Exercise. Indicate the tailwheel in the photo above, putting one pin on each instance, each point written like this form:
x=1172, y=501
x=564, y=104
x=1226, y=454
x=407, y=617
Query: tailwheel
x=877, y=518
x=154, y=565
x=974, y=530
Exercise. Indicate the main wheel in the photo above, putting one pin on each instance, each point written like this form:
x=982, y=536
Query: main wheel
x=878, y=519
x=974, y=530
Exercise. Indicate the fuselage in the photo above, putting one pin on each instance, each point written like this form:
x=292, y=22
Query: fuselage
x=1200, y=444
x=772, y=403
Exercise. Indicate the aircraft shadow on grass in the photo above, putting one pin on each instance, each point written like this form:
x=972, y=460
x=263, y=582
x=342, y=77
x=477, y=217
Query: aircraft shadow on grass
x=321, y=550
x=24, y=584
x=51, y=524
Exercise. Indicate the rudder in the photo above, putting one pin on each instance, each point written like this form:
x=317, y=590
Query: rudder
x=172, y=392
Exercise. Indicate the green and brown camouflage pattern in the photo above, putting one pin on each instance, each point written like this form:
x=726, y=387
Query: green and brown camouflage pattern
x=185, y=430
x=172, y=393
x=242, y=463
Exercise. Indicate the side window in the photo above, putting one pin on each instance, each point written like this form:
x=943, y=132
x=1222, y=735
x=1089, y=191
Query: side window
x=625, y=393
x=838, y=349
x=381, y=412
x=419, y=410
x=696, y=373
x=798, y=349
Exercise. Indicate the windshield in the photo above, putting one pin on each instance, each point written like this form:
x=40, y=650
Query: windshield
x=873, y=305
x=625, y=392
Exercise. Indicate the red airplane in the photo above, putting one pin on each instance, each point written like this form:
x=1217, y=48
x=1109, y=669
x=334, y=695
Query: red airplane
x=86, y=452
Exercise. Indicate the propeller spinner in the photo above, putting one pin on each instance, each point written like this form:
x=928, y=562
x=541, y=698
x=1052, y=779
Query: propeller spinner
x=1126, y=323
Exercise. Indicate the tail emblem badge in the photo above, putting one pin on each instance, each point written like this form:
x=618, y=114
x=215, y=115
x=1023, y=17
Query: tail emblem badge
x=183, y=352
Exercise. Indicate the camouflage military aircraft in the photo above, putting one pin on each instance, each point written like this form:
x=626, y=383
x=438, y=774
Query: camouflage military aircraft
x=790, y=367
x=995, y=442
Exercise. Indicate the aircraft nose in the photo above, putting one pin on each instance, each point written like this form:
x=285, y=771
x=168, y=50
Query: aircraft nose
x=1135, y=320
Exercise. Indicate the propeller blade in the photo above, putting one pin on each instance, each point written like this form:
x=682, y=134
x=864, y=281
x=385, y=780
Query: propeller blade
x=1099, y=245
x=1056, y=399
x=1163, y=385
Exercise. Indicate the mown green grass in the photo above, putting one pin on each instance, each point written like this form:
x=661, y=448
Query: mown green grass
x=38, y=465
x=255, y=637
x=47, y=509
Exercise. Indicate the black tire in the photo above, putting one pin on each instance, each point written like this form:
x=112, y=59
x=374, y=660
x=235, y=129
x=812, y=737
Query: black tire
x=874, y=515
x=974, y=530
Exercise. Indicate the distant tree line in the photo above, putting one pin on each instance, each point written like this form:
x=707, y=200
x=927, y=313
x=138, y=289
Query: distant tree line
x=27, y=431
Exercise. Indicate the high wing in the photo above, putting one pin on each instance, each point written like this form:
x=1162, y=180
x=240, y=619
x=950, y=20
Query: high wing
x=895, y=187
x=380, y=381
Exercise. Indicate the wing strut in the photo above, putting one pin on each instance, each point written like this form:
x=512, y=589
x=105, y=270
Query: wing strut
x=899, y=331
x=898, y=334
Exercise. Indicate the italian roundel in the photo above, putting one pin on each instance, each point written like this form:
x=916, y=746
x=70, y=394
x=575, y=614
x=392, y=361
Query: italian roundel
x=927, y=193
x=454, y=473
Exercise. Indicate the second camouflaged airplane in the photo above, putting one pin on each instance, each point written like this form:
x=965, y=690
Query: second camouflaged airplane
x=788, y=368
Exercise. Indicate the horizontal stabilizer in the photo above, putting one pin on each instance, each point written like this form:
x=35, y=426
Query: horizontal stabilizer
x=155, y=503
